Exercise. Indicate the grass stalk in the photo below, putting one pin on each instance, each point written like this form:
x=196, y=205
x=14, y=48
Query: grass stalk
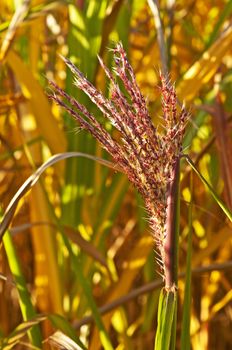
x=149, y=158
x=172, y=231
x=167, y=311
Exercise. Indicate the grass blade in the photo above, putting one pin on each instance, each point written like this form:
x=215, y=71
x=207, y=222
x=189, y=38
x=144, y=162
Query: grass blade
x=223, y=16
x=74, y=235
x=77, y=269
x=59, y=322
x=84, y=42
x=135, y=261
x=185, y=328
x=105, y=340
x=62, y=341
x=39, y=103
x=67, y=331
x=30, y=182
x=204, y=69
x=26, y=306
x=17, y=19
x=211, y=190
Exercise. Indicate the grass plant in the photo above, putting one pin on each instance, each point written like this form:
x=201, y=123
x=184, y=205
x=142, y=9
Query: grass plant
x=85, y=252
x=149, y=158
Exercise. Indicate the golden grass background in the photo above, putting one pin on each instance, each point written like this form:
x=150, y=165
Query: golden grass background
x=99, y=212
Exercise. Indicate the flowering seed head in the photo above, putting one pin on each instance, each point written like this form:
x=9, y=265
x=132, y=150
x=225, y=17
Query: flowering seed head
x=146, y=155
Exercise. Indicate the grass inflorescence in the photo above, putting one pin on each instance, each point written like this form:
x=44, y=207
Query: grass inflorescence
x=146, y=154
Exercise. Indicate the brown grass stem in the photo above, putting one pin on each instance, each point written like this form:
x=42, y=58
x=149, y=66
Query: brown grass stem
x=171, y=244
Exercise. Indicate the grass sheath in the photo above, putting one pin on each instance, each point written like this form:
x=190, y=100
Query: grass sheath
x=166, y=314
x=147, y=155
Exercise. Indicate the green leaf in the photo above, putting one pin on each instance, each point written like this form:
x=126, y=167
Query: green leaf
x=84, y=42
x=211, y=190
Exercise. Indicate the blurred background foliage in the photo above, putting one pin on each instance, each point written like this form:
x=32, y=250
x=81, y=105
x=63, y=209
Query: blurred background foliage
x=80, y=237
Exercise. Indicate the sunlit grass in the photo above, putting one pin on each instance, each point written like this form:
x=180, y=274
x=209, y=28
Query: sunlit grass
x=113, y=249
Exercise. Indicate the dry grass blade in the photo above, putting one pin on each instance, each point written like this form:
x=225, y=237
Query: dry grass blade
x=154, y=6
x=7, y=279
x=62, y=341
x=38, y=103
x=86, y=246
x=72, y=234
x=203, y=70
x=14, y=338
x=17, y=18
x=31, y=181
